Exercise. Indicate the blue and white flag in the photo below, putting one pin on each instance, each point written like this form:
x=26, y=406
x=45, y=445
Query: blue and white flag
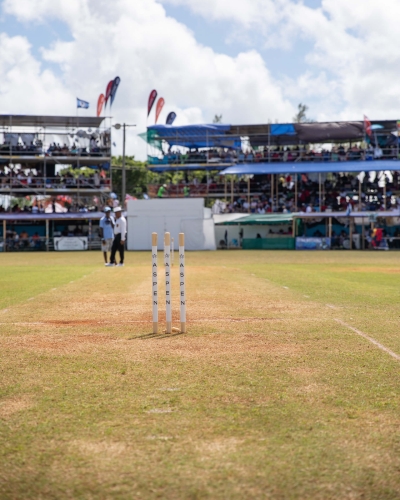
x=81, y=104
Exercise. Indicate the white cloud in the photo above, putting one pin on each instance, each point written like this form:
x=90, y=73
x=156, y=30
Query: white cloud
x=25, y=86
x=355, y=48
x=148, y=49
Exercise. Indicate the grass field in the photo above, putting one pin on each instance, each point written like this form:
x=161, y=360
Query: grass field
x=268, y=395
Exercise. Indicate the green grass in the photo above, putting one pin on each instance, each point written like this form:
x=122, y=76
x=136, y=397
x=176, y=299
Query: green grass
x=267, y=396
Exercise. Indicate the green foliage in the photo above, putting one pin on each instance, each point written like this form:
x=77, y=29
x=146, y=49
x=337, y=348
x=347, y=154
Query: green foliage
x=301, y=115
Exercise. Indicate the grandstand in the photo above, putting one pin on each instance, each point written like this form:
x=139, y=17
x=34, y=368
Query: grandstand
x=54, y=172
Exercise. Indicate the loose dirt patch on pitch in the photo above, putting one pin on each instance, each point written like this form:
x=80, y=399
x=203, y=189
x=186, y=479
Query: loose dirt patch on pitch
x=14, y=405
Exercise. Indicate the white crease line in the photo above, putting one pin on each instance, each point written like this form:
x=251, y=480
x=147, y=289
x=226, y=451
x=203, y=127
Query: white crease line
x=307, y=296
x=286, y=287
x=31, y=298
x=370, y=339
x=332, y=307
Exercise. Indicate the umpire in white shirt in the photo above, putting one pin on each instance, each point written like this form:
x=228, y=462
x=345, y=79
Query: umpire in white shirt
x=119, y=238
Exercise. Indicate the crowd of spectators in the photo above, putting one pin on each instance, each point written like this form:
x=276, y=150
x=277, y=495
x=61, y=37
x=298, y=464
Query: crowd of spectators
x=32, y=178
x=336, y=153
x=339, y=192
x=55, y=149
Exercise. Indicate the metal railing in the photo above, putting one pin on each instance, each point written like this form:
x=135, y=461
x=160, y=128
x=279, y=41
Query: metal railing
x=276, y=156
x=60, y=182
x=5, y=151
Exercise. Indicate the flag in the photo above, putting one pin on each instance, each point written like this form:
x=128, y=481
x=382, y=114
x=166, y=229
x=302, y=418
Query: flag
x=81, y=104
x=100, y=103
x=152, y=100
x=159, y=107
x=108, y=91
x=367, y=126
x=114, y=88
x=171, y=118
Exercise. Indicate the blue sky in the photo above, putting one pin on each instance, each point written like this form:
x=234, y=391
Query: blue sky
x=205, y=57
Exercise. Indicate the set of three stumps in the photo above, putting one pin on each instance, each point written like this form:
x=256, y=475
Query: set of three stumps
x=168, y=261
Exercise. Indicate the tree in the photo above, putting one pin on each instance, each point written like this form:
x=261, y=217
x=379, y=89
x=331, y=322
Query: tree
x=137, y=176
x=217, y=119
x=301, y=116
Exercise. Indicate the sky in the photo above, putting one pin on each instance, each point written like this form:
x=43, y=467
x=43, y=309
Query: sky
x=251, y=61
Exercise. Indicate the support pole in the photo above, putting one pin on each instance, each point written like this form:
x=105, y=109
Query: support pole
x=248, y=193
x=272, y=193
x=330, y=227
x=167, y=263
x=359, y=195
x=384, y=189
x=295, y=195
x=123, y=166
x=320, y=193
x=182, y=281
x=363, y=234
x=4, y=235
x=90, y=234
x=232, y=189
x=351, y=233
x=47, y=235
x=154, y=279
x=225, y=189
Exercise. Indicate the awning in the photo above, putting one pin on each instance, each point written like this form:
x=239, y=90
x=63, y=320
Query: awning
x=260, y=220
x=190, y=166
x=54, y=216
x=194, y=136
x=311, y=167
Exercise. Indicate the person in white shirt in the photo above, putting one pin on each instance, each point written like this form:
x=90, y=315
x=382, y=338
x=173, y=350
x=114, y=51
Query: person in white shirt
x=119, y=238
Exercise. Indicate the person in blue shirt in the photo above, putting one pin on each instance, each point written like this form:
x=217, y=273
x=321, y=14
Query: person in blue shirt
x=106, y=232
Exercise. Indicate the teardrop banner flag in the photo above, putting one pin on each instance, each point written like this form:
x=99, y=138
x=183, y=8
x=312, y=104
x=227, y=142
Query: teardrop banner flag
x=100, y=103
x=367, y=126
x=108, y=91
x=152, y=100
x=114, y=88
x=159, y=107
x=170, y=118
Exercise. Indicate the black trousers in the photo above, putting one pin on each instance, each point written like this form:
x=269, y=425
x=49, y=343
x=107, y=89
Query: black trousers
x=117, y=245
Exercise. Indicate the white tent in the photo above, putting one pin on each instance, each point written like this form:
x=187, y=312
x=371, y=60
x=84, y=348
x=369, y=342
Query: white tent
x=183, y=215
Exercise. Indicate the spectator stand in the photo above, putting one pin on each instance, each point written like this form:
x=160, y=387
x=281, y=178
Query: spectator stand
x=46, y=232
x=258, y=156
x=34, y=148
x=349, y=231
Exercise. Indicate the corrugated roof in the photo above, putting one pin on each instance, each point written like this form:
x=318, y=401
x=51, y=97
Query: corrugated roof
x=50, y=121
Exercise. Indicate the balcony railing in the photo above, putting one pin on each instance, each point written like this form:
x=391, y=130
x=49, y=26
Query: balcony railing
x=276, y=156
x=41, y=183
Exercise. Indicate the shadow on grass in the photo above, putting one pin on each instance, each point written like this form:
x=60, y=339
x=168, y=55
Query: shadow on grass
x=156, y=336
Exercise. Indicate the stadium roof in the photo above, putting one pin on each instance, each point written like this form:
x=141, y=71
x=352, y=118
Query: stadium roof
x=310, y=167
x=230, y=136
x=50, y=121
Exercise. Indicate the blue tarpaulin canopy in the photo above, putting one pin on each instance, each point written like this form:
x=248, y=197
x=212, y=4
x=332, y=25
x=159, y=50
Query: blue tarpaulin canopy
x=187, y=166
x=283, y=129
x=310, y=167
x=196, y=136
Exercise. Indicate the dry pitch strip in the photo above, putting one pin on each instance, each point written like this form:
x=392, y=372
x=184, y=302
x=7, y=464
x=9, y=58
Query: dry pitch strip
x=168, y=261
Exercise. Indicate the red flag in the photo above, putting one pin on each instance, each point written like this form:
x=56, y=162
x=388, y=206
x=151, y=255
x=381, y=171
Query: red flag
x=100, y=103
x=108, y=90
x=159, y=107
x=367, y=126
x=152, y=100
